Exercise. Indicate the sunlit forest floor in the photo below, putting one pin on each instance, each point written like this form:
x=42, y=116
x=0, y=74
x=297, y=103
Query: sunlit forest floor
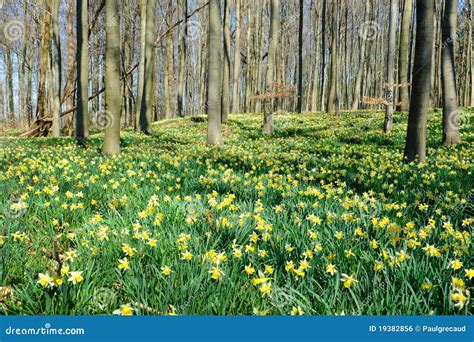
x=323, y=217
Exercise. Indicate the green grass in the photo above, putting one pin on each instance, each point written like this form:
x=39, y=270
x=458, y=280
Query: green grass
x=342, y=170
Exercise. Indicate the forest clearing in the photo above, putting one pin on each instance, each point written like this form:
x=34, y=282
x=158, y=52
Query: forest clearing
x=236, y=157
x=323, y=217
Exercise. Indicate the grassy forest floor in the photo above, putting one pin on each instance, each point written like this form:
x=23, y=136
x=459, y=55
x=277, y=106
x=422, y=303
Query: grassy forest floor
x=323, y=217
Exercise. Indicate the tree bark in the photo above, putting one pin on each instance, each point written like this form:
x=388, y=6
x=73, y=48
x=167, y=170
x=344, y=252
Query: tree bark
x=226, y=71
x=403, y=60
x=415, y=147
x=82, y=61
x=169, y=69
x=214, y=136
x=44, y=52
x=389, y=93
x=362, y=63
x=56, y=67
x=299, y=106
x=272, y=53
x=141, y=65
x=236, y=83
x=11, y=101
x=183, y=33
x=112, y=79
x=451, y=134
x=332, y=101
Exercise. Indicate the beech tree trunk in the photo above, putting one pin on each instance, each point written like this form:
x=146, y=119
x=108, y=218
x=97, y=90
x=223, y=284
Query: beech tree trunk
x=82, y=62
x=214, y=136
x=236, y=83
x=141, y=64
x=226, y=71
x=272, y=53
x=403, y=57
x=112, y=79
x=56, y=68
x=389, y=92
x=451, y=121
x=183, y=32
x=299, y=106
x=332, y=101
x=415, y=147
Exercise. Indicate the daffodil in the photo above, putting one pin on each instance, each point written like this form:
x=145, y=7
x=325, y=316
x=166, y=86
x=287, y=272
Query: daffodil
x=266, y=289
x=166, y=270
x=186, y=256
x=216, y=273
x=125, y=310
x=331, y=268
x=296, y=311
x=45, y=280
x=249, y=270
x=348, y=280
x=123, y=264
x=469, y=273
x=75, y=277
x=455, y=264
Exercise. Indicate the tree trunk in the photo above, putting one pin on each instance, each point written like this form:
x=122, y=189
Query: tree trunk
x=272, y=53
x=323, y=55
x=415, y=147
x=82, y=62
x=169, y=69
x=11, y=101
x=56, y=67
x=316, y=86
x=44, y=52
x=451, y=134
x=299, y=106
x=112, y=79
x=389, y=95
x=404, y=50
x=183, y=32
x=145, y=103
x=71, y=67
x=226, y=66
x=471, y=61
x=141, y=65
x=150, y=69
x=214, y=136
x=362, y=63
x=236, y=85
x=332, y=105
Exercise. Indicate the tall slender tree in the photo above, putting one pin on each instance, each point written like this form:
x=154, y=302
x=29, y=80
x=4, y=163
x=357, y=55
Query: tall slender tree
x=451, y=134
x=299, y=106
x=56, y=67
x=183, y=53
x=141, y=64
x=333, y=101
x=214, y=136
x=169, y=66
x=271, y=57
x=362, y=63
x=389, y=91
x=11, y=95
x=226, y=65
x=112, y=78
x=44, y=54
x=415, y=147
x=82, y=62
x=237, y=60
x=145, y=106
x=403, y=57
